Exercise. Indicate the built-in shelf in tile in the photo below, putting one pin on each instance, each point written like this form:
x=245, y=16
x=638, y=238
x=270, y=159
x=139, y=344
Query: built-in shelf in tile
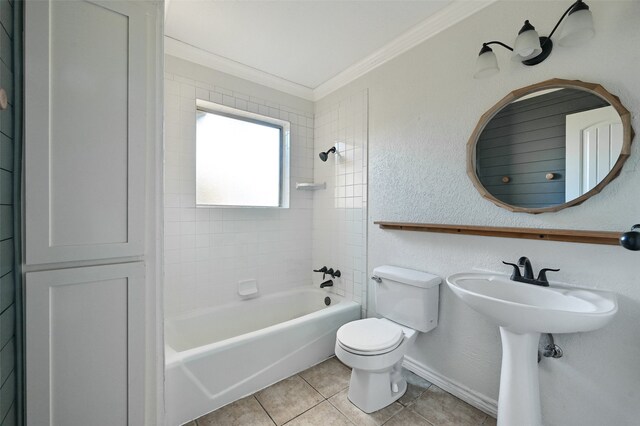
x=307, y=186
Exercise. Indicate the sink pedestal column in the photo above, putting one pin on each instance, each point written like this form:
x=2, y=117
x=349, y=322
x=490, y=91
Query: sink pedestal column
x=519, y=399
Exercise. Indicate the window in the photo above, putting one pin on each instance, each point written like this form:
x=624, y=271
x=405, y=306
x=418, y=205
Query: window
x=242, y=158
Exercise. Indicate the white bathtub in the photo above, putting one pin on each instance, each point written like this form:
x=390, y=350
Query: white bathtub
x=216, y=356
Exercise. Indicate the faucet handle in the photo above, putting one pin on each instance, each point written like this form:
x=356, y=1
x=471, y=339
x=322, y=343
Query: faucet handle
x=335, y=273
x=329, y=272
x=324, y=271
x=542, y=275
x=516, y=270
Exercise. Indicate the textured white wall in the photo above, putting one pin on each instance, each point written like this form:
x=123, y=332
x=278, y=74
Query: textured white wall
x=423, y=106
x=208, y=250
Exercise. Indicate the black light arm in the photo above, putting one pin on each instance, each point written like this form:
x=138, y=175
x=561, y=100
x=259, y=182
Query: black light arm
x=494, y=42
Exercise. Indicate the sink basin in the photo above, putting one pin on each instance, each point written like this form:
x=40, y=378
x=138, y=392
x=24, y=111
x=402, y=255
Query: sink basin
x=523, y=311
x=524, y=307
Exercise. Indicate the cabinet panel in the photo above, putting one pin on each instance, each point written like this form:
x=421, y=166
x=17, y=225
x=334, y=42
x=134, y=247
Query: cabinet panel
x=88, y=138
x=85, y=132
x=85, y=340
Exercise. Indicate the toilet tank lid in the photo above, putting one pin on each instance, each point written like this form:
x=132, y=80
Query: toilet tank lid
x=407, y=276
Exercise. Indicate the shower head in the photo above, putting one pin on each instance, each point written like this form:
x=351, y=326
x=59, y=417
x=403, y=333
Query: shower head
x=324, y=155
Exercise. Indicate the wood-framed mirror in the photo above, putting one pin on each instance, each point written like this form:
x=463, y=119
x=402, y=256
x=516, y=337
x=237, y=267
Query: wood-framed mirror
x=549, y=146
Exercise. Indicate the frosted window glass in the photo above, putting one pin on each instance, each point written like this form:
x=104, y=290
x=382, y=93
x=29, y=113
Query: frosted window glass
x=238, y=162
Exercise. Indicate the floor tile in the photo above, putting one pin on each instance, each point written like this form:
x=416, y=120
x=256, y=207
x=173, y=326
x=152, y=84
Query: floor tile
x=443, y=409
x=323, y=414
x=191, y=423
x=360, y=418
x=288, y=398
x=328, y=377
x=406, y=417
x=414, y=379
x=246, y=411
x=490, y=421
x=412, y=393
x=416, y=385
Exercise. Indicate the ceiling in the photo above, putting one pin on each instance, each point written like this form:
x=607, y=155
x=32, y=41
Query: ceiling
x=306, y=43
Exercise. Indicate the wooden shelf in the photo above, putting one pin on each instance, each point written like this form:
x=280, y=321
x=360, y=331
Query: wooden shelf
x=573, y=236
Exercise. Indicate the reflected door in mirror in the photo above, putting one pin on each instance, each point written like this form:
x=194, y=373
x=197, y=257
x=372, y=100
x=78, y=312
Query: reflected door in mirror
x=594, y=141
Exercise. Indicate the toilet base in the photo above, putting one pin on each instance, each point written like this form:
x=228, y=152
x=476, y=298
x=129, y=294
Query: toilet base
x=372, y=391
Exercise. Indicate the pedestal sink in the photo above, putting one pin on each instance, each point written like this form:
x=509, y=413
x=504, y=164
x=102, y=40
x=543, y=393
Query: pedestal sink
x=523, y=311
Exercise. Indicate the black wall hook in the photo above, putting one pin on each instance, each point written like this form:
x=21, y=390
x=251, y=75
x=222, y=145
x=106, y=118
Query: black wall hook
x=631, y=239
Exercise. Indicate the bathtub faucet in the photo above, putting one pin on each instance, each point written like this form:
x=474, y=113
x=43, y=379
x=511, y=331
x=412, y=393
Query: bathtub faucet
x=322, y=270
x=328, y=283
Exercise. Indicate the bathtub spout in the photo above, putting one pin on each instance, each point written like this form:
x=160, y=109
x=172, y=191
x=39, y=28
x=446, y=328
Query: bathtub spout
x=328, y=283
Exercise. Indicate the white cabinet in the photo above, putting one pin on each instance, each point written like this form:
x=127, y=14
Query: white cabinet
x=85, y=129
x=92, y=131
x=85, y=346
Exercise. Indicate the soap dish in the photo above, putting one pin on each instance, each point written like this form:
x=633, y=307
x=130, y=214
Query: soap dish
x=247, y=289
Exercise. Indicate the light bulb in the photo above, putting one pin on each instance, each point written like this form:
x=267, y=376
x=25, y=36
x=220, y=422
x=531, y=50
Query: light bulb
x=527, y=44
x=486, y=64
x=578, y=28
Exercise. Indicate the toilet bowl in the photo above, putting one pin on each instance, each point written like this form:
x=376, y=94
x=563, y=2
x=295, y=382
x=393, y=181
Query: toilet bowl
x=374, y=349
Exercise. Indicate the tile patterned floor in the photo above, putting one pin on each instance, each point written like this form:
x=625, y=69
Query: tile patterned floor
x=318, y=397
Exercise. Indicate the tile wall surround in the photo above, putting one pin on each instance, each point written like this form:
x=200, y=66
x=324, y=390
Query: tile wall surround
x=208, y=250
x=340, y=211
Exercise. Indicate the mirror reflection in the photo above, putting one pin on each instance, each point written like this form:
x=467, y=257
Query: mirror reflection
x=548, y=148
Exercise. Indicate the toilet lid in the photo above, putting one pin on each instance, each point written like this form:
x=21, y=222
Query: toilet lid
x=370, y=335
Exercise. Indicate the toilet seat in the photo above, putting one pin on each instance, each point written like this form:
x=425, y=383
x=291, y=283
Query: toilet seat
x=371, y=336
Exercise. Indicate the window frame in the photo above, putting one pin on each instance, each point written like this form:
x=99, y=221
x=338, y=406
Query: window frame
x=260, y=119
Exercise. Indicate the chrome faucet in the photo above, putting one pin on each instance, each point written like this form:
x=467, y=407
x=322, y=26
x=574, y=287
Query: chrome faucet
x=528, y=273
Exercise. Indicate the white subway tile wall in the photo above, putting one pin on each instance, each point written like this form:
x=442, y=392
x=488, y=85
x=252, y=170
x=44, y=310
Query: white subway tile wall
x=208, y=250
x=339, y=212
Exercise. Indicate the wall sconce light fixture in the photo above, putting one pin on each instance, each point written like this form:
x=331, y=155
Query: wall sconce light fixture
x=531, y=49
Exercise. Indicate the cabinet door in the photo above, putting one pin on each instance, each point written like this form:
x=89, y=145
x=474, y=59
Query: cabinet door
x=85, y=346
x=85, y=129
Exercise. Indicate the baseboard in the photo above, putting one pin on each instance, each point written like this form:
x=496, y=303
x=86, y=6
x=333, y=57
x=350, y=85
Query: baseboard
x=481, y=402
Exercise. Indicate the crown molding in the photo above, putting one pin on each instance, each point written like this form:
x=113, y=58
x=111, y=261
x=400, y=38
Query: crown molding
x=199, y=56
x=450, y=15
x=445, y=18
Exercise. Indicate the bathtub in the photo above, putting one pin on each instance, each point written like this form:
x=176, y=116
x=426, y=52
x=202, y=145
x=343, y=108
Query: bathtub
x=218, y=355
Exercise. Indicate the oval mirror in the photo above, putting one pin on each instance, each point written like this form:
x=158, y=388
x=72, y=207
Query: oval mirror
x=549, y=146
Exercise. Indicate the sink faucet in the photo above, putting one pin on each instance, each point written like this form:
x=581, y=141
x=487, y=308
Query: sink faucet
x=528, y=269
x=528, y=273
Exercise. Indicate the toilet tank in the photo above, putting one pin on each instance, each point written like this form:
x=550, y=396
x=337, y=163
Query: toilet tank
x=407, y=297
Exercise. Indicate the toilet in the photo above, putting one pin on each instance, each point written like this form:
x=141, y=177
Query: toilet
x=407, y=301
